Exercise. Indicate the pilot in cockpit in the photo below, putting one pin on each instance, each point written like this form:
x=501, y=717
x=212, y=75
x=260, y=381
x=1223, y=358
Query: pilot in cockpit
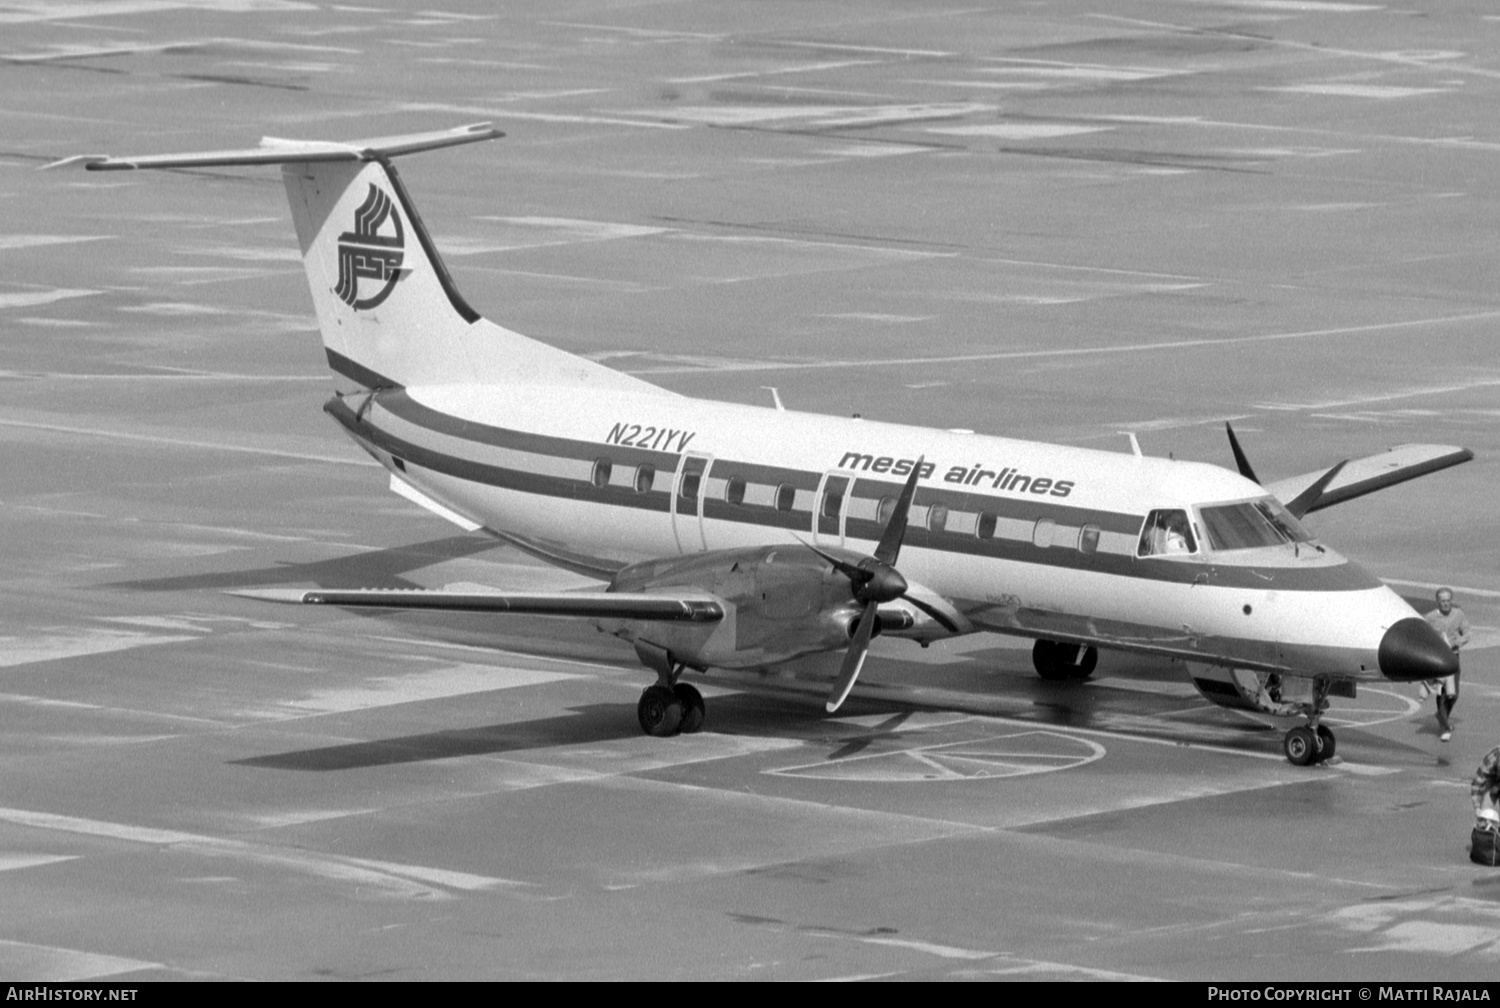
x=1167, y=533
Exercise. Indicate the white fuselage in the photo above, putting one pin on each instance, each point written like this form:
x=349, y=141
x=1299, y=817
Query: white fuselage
x=1021, y=537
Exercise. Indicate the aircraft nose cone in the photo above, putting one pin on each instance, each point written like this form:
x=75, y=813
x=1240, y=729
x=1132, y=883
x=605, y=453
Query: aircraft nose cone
x=1412, y=650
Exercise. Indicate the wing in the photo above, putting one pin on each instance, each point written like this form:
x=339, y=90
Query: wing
x=686, y=607
x=1366, y=475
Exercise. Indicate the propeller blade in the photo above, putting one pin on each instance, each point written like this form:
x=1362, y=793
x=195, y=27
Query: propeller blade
x=895, y=529
x=1304, y=501
x=854, y=658
x=856, y=574
x=1241, y=462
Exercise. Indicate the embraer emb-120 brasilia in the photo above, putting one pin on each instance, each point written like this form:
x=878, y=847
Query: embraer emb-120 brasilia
x=739, y=537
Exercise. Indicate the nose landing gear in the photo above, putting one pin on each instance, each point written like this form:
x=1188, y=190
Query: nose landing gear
x=1313, y=743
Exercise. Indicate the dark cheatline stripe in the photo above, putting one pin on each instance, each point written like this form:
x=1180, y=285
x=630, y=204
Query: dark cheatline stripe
x=356, y=372
x=1343, y=577
x=400, y=404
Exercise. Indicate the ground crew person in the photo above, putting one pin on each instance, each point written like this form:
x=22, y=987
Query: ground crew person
x=1450, y=621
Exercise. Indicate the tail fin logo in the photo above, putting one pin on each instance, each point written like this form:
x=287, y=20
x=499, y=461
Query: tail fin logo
x=366, y=254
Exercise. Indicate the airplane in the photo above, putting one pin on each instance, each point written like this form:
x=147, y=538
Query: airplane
x=740, y=537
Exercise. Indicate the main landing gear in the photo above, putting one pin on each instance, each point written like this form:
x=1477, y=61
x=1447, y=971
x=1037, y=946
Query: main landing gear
x=1059, y=662
x=670, y=707
x=671, y=710
x=1314, y=742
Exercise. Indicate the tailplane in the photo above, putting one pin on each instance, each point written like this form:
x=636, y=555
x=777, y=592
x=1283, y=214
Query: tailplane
x=389, y=312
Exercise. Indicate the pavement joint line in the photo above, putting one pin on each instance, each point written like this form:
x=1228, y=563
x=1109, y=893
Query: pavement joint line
x=386, y=875
x=188, y=443
x=1066, y=352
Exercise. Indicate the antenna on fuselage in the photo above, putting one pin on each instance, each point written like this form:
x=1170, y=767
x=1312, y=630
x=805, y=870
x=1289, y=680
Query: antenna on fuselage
x=775, y=396
x=1135, y=446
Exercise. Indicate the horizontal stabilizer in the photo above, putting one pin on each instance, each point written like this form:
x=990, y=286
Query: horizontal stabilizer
x=685, y=608
x=273, y=151
x=1375, y=472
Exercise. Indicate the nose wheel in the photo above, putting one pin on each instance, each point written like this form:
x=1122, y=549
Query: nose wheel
x=1312, y=743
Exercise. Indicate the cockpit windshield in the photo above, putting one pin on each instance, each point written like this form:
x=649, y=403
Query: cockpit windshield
x=1251, y=524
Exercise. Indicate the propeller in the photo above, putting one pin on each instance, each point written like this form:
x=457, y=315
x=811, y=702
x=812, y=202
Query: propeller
x=1240, y=461
x=875, y=580
x=1304, y=501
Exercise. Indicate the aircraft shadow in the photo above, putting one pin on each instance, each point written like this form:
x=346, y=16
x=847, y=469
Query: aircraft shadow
x=383, y=568
x=590, y=724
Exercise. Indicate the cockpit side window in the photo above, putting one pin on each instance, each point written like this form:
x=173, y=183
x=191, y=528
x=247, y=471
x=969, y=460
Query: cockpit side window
x=1167, y=532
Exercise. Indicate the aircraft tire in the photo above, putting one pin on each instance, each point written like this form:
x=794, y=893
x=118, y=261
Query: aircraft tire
x=1057, y=662
x=694, y=713
x=659, y=711
x=1327, y=743
x=1300, y=746
x=1088, y=660
x=1044, y=660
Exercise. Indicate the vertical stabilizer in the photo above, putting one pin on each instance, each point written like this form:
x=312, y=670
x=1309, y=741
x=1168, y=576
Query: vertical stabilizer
x=387, y=307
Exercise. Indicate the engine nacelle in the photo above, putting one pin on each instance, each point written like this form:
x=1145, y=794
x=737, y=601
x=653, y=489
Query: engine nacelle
x=779, y=602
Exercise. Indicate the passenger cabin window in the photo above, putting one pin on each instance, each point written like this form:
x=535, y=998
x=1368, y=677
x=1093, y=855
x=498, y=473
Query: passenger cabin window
x=1088, y=539
x=986, y=527
x=645, y=475
x=1250, y=525
x=785, y=495
x=734, y=490
x=885, y=509
x=687, y=487
x=937, y=517
x=1042, y=532
x=832, y=501
x=1167, y=532
x=602, y=468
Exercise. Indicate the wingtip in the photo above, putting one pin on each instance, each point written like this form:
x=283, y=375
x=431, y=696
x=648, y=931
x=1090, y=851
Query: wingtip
x=87, y=161
x=294, y=596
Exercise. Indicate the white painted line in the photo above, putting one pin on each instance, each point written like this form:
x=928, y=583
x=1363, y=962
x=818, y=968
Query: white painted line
x=1017, y=754
x=31, y=300
x=747, y=74
x=1433, y=587
x=17, y=861
x=380, y=877
x=931, y=948
x=49, y=964
x=882, y=50
x=437, y=684
x=1407, y=393
x=1305, y=6
x=26, y=650
x=1384, y=92
x=187, y=443
x=25, y=241
x=1034, y=966
x=1019, y=131
x=1228, y=341
x=186, y=376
